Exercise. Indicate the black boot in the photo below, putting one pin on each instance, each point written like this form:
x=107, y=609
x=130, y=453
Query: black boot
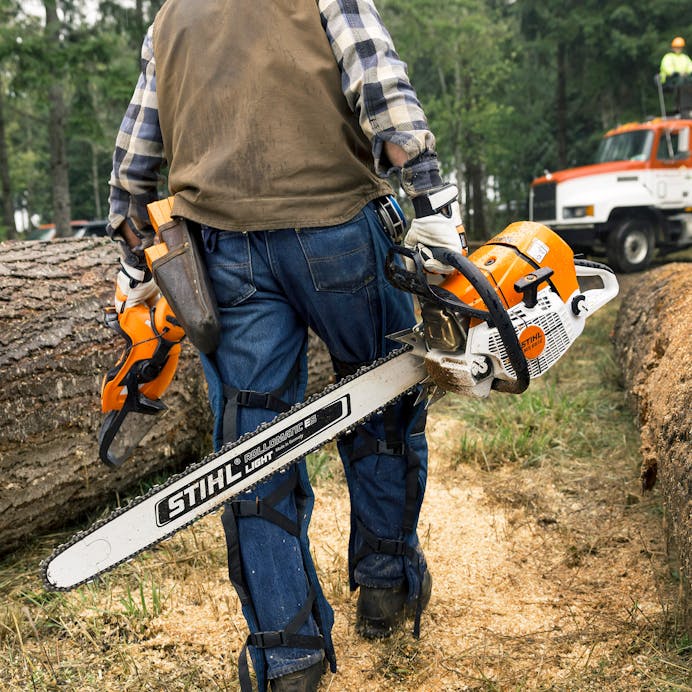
x=380, y=611
x=305, y=680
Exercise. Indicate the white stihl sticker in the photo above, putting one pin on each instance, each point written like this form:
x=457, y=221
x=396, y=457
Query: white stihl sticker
x=229, y=473
x=537, y=250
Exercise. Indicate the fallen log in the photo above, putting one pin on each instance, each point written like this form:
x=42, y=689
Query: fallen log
x=54, y=350
x=652, y=343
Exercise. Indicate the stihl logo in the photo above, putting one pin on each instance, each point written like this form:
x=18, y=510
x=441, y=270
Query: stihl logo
x=247, y=464
x=212, y=484
x=532, y=341
x=207, y=486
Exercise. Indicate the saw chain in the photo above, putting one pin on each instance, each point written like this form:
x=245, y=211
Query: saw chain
x=238, y=467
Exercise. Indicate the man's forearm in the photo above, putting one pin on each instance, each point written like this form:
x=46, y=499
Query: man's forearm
x=397, y=155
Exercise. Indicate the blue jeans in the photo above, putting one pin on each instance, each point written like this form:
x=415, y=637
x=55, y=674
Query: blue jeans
x=271, y=286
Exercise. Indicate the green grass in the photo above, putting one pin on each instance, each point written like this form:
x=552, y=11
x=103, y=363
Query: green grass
x=323, y=464
x=576, y=410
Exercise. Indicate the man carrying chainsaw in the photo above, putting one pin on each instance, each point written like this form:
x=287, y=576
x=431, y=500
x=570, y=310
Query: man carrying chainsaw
x=279, y=135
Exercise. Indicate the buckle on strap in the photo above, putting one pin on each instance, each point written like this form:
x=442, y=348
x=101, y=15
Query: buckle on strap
x=247, y=508
x=384, y=546
x=397, y=449
x=388, y=546
x=264, y=400
x=268, y=639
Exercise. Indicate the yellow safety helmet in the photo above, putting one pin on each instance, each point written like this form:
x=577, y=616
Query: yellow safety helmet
x=678, y=42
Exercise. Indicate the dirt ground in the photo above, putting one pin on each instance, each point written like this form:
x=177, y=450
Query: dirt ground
x=544, y=579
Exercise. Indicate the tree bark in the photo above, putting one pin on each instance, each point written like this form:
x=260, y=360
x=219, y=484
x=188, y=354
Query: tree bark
x=479, y=228
x=54, y=350
x=653, y=346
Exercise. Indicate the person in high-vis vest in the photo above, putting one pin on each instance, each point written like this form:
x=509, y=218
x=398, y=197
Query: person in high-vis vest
x=675, y=63
x=280, y=124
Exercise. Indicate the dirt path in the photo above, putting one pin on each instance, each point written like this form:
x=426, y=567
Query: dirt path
x=544, y=579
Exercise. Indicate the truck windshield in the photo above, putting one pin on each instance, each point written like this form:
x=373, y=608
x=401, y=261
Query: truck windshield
x=626, y=146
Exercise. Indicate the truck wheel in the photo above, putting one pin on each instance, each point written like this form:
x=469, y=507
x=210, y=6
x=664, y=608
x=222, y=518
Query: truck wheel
x=630, y=245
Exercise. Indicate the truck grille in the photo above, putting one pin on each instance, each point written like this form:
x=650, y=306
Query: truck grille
x=544, y=202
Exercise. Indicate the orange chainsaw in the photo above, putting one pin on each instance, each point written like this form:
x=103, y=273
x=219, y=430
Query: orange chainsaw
x=506, y=315
x=131, y=391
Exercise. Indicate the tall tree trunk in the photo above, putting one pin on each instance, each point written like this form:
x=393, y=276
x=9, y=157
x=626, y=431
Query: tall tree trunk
x=5, y=181
x=57, y=127
x=561, y=106
x=468, y=222
x=476, y=175
x=95, y=181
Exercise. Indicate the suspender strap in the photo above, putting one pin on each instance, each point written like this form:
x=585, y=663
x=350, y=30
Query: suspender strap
x=265, y=508
x=255, y=508
x=286, y=637
x=412, y=462
x=411, y=502
x=250, y=399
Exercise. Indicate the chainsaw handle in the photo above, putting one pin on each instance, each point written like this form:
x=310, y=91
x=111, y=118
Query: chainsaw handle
x=499, y=318
x=595, y=298
x=416, y=282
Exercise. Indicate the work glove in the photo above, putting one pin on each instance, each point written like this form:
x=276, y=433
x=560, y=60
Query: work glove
x=437, y=225
x=134, y=286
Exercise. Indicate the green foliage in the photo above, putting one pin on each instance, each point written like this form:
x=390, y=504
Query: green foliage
x=96, y=61
x=143, y=603
x=323, y=463
x=485, y=71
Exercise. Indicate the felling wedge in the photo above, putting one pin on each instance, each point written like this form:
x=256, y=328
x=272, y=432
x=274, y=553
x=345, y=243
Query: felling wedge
x=505, y=316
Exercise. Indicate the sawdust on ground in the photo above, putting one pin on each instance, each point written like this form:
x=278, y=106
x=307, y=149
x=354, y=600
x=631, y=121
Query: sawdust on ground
x=543, y=579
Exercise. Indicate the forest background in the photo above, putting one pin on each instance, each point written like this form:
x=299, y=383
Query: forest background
x=511, y=88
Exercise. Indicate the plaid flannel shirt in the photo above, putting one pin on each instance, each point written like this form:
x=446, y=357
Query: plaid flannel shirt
x=374, y=82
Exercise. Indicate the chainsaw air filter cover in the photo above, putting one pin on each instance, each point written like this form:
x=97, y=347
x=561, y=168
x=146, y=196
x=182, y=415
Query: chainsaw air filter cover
x=521, y=249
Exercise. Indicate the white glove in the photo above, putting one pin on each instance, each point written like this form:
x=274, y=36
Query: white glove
x=132, y=288
x=437, y=230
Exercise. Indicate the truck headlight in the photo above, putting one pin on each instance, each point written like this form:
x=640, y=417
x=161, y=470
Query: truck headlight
x=577, y=212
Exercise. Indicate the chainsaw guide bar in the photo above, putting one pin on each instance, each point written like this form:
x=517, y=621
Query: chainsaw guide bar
x=238, y=467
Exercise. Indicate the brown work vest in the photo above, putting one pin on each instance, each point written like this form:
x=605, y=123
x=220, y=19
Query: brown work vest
x=256, y=129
